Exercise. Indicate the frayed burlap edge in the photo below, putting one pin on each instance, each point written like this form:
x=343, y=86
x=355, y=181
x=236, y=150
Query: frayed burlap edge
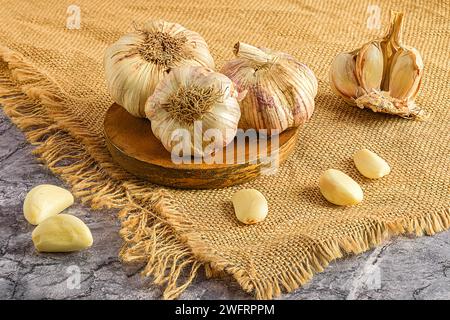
x=154, y=230
x=36, y=106
x=300, y=272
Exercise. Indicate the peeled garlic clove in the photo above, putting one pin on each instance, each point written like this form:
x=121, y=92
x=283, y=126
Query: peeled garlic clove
x=44, y=201
x=338, y=188
x=342, y=75
x=250, y=206
x=371, y=165
x=406, y=74
x=62, y=233
x=369, y=66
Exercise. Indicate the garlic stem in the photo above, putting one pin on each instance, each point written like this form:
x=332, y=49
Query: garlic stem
x=394, y=34
x=391, y=43
x=254, y=54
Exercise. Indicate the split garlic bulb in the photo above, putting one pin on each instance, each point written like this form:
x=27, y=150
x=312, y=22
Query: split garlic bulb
x=280, y=90
x=383, y=75
x=137, y=62
x=198, y=102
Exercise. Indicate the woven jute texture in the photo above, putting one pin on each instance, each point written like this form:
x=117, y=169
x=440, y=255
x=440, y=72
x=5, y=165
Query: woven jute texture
x=52, y=86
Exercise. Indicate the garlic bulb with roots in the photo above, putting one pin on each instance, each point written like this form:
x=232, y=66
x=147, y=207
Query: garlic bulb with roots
x=383, y=75
x=279, y=90
x=194, y=111
x=137, y=62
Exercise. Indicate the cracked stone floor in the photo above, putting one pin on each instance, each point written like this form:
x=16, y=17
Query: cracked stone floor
x=403, y=268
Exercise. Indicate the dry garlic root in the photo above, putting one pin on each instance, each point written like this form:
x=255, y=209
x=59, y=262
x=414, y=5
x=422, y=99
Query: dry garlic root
x=194, y=102
x=383, y=75
x=62, y=233
x=138, y=61
x=338, y=188
x=371, y=165
x=250, y=206
x=279, y=90
x=44, y=201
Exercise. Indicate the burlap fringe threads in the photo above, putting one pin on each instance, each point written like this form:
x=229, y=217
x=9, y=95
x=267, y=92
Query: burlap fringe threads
x=153, y=229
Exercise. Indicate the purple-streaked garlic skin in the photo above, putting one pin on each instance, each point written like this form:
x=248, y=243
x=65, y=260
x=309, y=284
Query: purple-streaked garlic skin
x=279, y=90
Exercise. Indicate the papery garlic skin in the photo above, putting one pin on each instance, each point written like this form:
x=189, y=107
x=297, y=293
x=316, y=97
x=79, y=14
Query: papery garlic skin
x=137, y=62
x=279, y=90
x=189, y=96
x=383, y=75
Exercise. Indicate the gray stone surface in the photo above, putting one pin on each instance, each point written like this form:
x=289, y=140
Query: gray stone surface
x=403, y=268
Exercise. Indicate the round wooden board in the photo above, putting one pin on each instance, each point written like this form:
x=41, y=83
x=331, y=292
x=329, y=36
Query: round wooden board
x=134, y=147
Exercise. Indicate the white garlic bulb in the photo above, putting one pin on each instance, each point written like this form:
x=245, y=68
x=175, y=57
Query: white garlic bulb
x=383, y=75
x=137, y=62
x=196, y=101
x=280, y=90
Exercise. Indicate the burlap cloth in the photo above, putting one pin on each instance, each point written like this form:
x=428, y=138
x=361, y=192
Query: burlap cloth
x=52, y=86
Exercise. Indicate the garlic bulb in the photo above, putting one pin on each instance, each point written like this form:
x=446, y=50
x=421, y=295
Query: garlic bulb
x=383, y=75
x=280, y=90
x=198, y=102
x=137, y=62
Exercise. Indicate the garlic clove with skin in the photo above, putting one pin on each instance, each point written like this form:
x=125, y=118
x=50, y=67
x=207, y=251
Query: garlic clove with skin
x=383, y=75
x=139, y=60
x=369, y=66
x=280, y=90
x=343, y=76
x=406, y=74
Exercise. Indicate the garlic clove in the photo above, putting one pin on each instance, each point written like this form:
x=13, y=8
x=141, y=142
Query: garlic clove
x=44, y=201
x=342, y=75
x=371, y=165
x=406, y=74
x=369, y=66
x=338, y=188
x=62, y=233
x=250, y=206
